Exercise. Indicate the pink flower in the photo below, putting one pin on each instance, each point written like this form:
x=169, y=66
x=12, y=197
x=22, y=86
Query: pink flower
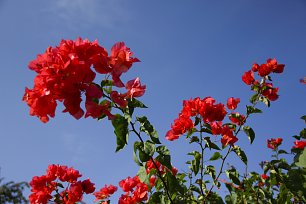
x=135, y=89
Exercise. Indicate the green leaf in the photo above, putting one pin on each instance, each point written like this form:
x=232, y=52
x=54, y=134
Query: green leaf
x=190, y=132
x=144, y=157
x=121, y=131
x=147, y=128
x=142, y=174
x=211, y=171
x=302, y=159
x=163, y=150
x=253, y=98
x=197, y=121
x=265, y=100
x=210, y=144
x=249, y=132
x=233, y=175
x=297, y=137
x=155, y=197
x=194, y=139
x=165, y=160
x=215, y=156
x=206, y=130
x=137, y=145
x=149, y=148
x=196, y=162
x=282, y=152
x=251, y=109
x=304, y=118
x=303, y=133
x=173, y=184
x=106, y=82
x=136, y=103
x=240, y=153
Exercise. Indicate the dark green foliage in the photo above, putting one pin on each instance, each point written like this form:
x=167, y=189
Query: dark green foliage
x=12, y=192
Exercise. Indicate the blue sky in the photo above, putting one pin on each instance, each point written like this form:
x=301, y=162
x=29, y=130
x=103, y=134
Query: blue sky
x=187, y=49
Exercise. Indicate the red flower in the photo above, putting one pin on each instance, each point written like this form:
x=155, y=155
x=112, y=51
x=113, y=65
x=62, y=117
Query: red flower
x=274, y=143
x=232, y=103
x=105, y=192
x=141, y=192
x=152, y=180
x=129, y=183
x=264, y=70
x=255, y=67
x=150, y=165
x=41, y=103
x=135, y=187
x=270, y=92
x=120, y=60
x=96, y=110
x=216, y=127
x=135, y=89
x=276, y=68
x=62, y=73
x=119, y=99
x=228, y=136
x=303, y=81
x=237, y=118
x=248, y=77
x=40, y=197
x=264, y=176
x=206, y=108
x=299, y=144
x=171, y=136
x=211, y=112
x=88, y=187
x=75, y=193
x=179, y=127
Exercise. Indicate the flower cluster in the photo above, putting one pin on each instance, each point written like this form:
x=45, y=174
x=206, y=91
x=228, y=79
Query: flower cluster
x=263, y=70
x=136, y=191
x=206, y=108
x=65, y=72
x=274, y=143
x=299, y=144
x=211, y=114
x=104, y=193
x=43, y=186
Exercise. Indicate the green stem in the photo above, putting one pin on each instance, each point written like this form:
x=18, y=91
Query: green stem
x=156, y=167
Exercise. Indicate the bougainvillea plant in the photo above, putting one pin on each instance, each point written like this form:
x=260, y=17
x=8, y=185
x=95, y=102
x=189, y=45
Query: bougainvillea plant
x=66, y=73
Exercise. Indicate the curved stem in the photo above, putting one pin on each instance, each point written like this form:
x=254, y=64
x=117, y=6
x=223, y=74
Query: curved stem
x=202, y=161
x=220, y=171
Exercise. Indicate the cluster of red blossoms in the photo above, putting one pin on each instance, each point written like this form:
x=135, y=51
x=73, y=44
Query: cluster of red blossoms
x=299, y=144
x=264, y=70
x=274, y=143
x=212, y=114
x=43, y=186
x=64, y=73
x=135, y=190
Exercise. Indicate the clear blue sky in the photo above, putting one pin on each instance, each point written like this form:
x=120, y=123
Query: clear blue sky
x=187, y=49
